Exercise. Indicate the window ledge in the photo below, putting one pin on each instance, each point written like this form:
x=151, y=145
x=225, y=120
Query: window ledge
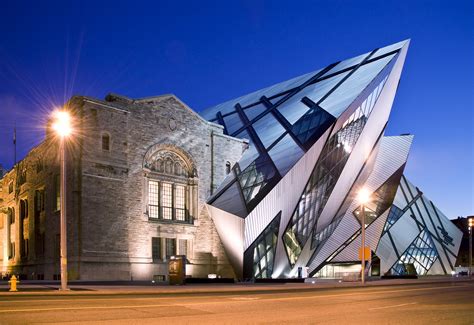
x=177, y=222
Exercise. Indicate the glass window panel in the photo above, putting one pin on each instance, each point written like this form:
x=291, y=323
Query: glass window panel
x=179, y=200
x=264, y=249
x=254, y=111
x=248, y=157
x=156, y=248
x=170, y=247
x=389, y=48
x=346, y=93
x=224, y=108
x=231, y=201
x=167, y=200
x=418, y=254
x=276, y=99
x=233, y=123
x=285, y=154
x=153, y=200
x=179, y=203
x=254, y=97
x=268, y=129
x=289, y=84
x=255, y=177
x=347, y=63
x=293, y=108
x=243, y=135
x=276, y=89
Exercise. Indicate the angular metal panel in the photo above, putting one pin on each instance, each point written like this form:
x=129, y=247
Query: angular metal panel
x=347, y=227
x=403, y=232
x=361, y=151
x=400, y=200
x=372, y=232
x=231, y=232
x=436, y=268
x=387, y=254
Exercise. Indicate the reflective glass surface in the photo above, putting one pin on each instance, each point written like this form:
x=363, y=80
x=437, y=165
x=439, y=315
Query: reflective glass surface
x=232, y=122
x=264, y=249
x=255, y=110
x=268, y=129
x=293, y=108
x=248, y=157
x=244, y=135
x=285, y=154
x=284, y=143
x=255, y=177
x=393, y=216
x=231, y=201
x=347, y=63
x=420, y=255
x=312, y=125
x=324, y=177
x=389, y=48
x=345, y=94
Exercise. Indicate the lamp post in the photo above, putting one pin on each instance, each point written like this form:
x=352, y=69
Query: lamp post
x=363, y=197
x=63, y=129
x=471, y=224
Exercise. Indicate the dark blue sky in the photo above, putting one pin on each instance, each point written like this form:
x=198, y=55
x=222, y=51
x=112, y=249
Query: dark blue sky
x=208, y=52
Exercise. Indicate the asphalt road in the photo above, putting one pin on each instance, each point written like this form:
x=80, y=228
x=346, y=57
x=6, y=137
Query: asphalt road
x=441, y=303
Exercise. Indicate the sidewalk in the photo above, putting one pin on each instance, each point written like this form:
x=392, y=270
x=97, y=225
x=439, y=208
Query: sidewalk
x=101, y=288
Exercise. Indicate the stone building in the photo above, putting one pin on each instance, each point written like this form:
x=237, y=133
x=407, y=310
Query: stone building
x=138, y=174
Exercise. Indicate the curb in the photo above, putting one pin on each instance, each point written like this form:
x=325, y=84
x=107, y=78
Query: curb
x=224, y=290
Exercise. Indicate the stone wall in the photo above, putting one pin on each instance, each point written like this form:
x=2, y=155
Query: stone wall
x=109, y=231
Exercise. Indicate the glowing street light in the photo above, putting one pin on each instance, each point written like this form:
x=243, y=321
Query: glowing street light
x=62, y=123
x=63, y=127
x=363, y=197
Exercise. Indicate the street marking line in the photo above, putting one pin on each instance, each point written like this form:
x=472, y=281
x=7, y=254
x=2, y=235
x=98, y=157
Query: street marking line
x=244, y=298
x=393, y=306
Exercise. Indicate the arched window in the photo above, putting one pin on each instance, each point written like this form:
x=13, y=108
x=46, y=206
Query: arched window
x=105, y=142
x=178, y=169
x=172, y=194
x=169, y=166
x=227, y=168
x=160, y=166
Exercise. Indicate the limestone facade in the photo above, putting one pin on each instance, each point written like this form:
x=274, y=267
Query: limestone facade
x=138, y=173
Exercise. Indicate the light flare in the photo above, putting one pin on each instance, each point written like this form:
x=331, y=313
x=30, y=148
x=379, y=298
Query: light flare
x=363, y=196
x=62, y=123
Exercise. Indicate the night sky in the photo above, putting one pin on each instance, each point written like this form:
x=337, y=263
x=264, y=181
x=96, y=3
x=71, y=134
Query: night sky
x=209, y=52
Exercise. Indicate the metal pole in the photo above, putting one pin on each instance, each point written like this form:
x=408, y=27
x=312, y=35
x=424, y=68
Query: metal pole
x=363, y=243
x=63, y=225
x=470, y=249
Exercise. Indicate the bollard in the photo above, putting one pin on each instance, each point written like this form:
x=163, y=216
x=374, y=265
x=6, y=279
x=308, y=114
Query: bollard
x=13, y=281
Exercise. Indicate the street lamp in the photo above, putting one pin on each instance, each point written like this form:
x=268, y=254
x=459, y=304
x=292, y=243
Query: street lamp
x=62, y=127
x=471, y=224
x=363, y=197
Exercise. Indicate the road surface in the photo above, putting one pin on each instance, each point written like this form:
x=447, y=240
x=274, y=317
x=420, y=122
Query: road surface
x=438, y=303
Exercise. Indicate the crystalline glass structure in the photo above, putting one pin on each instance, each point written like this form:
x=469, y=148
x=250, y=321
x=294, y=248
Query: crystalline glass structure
x=313, y=141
